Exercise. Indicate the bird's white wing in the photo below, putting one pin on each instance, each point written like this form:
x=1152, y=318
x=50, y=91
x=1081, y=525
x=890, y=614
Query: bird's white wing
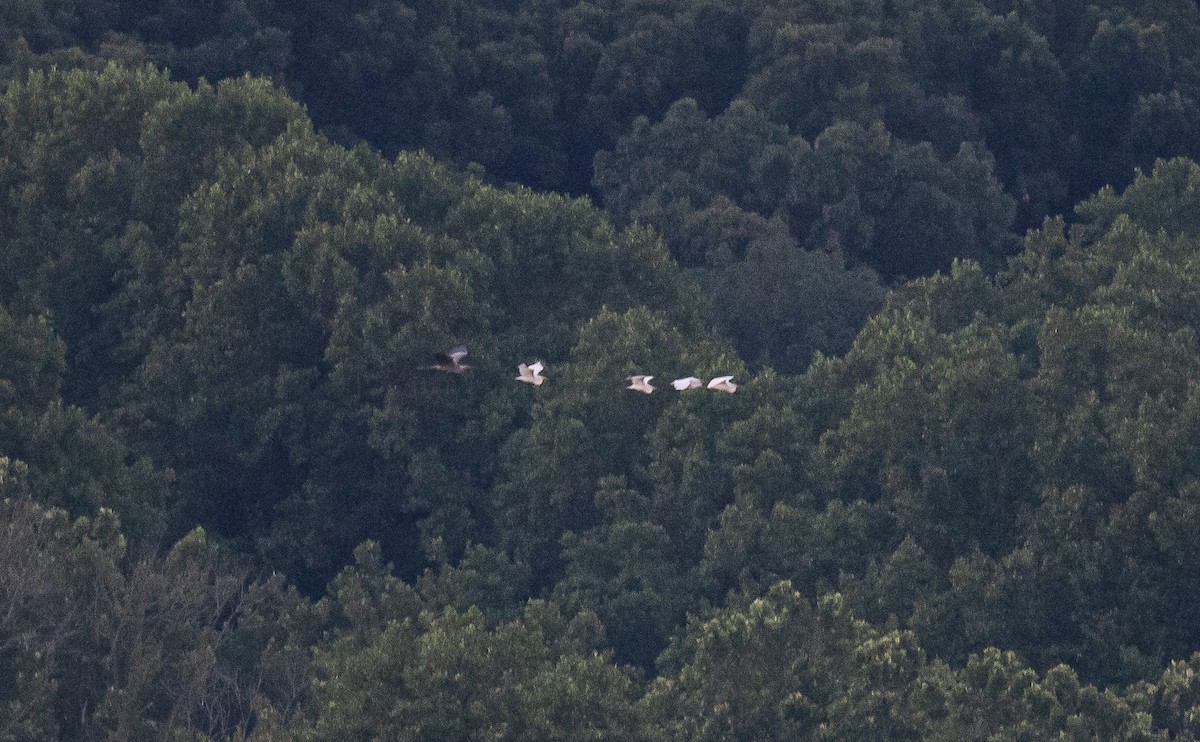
x=719, y=381
x=641, y=383
x=536, y=367
x=686, y=383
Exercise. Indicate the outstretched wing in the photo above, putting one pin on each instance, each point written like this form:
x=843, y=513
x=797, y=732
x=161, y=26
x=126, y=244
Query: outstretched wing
x=452, y=357
x=641, y=384
x=719, y=381
x=689, y=382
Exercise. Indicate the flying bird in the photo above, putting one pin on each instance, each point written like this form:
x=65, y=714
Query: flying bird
x=723, y=384
x=450, y=361
x=640, y=384
x=531, y=374
x=690, y=382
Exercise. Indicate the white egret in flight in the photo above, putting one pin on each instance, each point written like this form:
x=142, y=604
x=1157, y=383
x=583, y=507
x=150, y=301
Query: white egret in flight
x=723, y=384
x=531, y=374
x=640, y=384
x=690, y=382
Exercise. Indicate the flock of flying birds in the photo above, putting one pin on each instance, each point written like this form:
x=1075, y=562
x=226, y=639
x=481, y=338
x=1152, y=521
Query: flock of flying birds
x=451, y=362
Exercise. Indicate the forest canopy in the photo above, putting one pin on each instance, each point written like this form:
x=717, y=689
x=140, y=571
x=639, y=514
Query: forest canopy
x=948, y=251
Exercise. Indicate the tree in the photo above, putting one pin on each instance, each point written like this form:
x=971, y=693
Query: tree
x=590, y=428
x=777, y=667
x=448, y=675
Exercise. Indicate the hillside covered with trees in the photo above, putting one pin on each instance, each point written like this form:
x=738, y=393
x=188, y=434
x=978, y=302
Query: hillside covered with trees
x=949, y=251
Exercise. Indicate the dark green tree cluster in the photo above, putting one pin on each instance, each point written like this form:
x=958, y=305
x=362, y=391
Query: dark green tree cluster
x=233, y=508
x=250, y=303
x=796, y=148
x=1065, y=96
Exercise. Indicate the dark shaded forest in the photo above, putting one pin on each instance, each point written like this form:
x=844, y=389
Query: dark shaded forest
x=949, y=251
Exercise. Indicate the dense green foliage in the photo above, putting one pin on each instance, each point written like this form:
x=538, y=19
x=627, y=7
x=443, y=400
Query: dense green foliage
x=955, y=496
x=819, y=144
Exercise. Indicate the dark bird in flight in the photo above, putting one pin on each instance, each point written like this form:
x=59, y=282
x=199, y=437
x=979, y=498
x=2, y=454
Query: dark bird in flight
x=450, y=361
